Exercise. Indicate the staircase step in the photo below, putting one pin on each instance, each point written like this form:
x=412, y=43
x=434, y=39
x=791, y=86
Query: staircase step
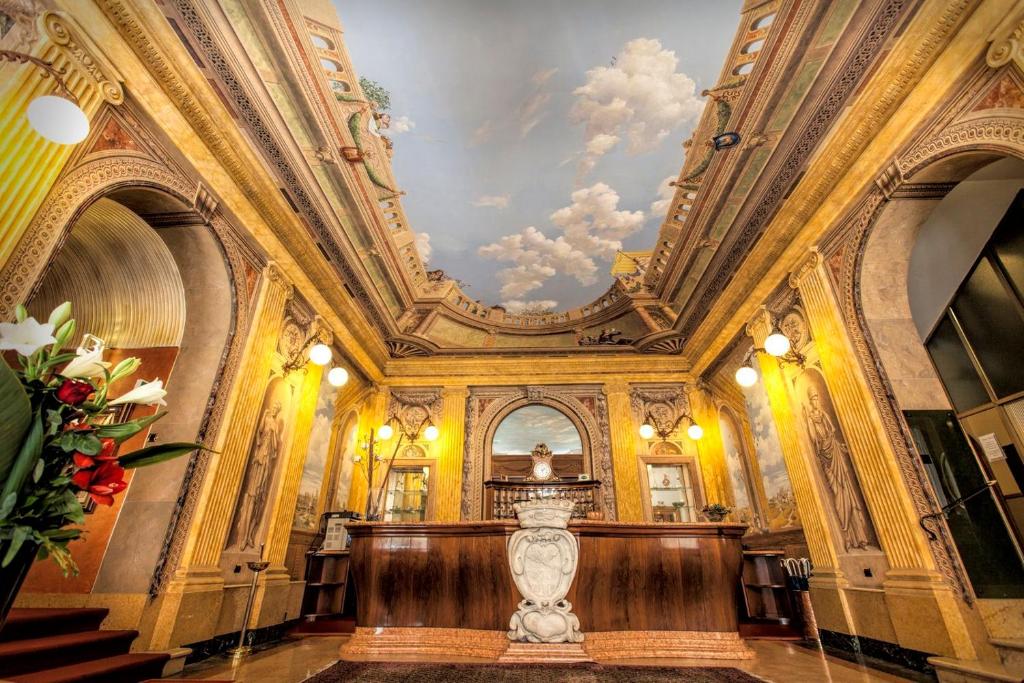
x=37, y=622
x=36, y=654
x=130, y=668
x=1011, y=651
x=949, y=670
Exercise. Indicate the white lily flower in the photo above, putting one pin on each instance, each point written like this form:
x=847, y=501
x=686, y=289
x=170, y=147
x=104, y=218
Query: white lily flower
x=26, y=337
x=88, y=363
x=147, y=394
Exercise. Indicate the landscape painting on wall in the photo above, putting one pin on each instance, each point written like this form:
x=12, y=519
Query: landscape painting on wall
x=316, y=459
x=735, y=461
x=781, y=513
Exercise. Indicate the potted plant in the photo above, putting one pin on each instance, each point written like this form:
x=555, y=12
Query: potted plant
x=715, y=512
x=55, y=449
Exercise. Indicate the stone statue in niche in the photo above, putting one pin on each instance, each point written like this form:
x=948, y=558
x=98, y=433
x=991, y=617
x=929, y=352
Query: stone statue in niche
x=834, y=458
x=259, y=473
x=543, y=556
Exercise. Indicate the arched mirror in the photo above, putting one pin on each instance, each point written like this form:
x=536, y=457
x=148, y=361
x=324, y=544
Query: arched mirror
x=522, y=429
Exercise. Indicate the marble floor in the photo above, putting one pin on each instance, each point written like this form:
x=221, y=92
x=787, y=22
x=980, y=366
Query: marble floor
x=777, y=662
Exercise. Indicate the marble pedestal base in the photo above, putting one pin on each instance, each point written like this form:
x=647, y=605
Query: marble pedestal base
x=545, y=653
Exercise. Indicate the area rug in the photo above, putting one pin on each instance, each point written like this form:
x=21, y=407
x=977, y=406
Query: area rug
x=376, y=672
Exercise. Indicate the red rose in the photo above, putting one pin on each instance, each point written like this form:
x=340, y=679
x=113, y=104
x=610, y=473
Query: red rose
x=74, y=392
x=108, y=451
x=101, y=483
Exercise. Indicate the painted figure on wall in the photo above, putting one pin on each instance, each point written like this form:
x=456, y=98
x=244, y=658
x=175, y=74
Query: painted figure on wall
x=318, y=455
x=833, y=457
x=258, y=475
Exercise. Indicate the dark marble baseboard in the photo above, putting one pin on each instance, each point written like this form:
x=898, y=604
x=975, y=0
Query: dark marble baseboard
x=226, y=641
x=858, y=648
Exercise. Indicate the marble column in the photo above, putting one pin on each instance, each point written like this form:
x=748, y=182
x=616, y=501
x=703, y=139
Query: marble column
x=447, y=486
x=625, y=449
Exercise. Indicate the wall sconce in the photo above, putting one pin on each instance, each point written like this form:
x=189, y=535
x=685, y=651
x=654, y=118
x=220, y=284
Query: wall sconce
x=650, y=428
x=776, y=345
x=384, y=433
x=318, y=354
x=58, y=118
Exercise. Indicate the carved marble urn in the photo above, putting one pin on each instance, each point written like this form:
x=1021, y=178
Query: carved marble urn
x=543, y=556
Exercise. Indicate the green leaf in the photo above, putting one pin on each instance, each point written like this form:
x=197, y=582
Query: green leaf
x=83, y=442
x=23, y=464
x=60, y=314
x=7, y=505
x=37, y=471
x=151, y=455
x=125, y=430
x=15, y=416
x=17, y=538
x=20, y=313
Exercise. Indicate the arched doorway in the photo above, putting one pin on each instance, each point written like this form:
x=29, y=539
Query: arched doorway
x=944, y=316
x=145, y=273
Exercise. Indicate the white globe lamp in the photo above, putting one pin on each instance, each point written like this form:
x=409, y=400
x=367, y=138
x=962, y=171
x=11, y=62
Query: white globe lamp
x=646, y=431
x=320, y=354
x=337, y=377
x=777, y=344
x=695, y=431
x=746, y=376
x=58, y=119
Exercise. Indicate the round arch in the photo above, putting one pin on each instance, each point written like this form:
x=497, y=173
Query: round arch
x=206, y=254
x=585, y=466
x=926, y=170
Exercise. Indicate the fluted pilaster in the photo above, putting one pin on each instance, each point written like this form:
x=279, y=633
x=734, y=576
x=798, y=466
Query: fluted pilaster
x=625, y=449
x=891, y=507
x=370, y=417
x=224, y=478
x=29, y=163
x=451, y=450
x=813, y=516
x=710, y=451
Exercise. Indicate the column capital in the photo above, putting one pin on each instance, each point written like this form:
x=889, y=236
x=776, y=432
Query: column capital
x=1007, y=41
x=616, y=387
x=806, y=267
x=455, y=391
x=320, y=328
x=760, y=325
x=273, y=272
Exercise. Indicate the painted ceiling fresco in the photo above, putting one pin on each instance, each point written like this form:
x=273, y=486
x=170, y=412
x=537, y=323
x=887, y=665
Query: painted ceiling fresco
x=535, y=139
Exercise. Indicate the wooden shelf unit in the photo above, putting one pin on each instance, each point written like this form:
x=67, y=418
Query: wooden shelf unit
x=326, y=584
x=766, y=594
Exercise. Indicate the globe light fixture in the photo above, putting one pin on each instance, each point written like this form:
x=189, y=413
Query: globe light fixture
x=777, y=344
x=695, y=431
x=320, y=354
x=746, y=376
x=337, y=377
x=646, y=431
x=385, y=432
x=431, y=433
x=58, y=119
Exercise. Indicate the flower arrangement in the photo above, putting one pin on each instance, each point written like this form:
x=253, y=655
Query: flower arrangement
x=55, y=444
x=716, y=512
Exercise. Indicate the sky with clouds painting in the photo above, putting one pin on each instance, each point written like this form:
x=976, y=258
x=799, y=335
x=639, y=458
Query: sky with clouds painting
x=534, y=139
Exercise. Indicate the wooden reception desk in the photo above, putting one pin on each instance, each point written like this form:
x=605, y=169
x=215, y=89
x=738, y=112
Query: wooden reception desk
x=641, y=590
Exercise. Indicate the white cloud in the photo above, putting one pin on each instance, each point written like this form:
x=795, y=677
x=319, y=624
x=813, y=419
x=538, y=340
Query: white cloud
x=592, y=223
x=534, y=108
x=532, y=111
x=640, y=98
x=536, y=306
x=483, y=133
x=497, y=201
x=423, y=246
x=401, y=124
x=659, y=207
x=592, y=227
x=543, y=76
x=536, y=259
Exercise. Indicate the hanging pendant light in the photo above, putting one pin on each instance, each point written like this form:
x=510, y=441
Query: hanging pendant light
x=57, y=117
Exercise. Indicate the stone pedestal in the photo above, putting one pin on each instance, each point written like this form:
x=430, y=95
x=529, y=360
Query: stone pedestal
x=543, y=556
x=545, y=653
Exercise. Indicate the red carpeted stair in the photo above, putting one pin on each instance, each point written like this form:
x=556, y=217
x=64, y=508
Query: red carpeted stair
x=67, y=645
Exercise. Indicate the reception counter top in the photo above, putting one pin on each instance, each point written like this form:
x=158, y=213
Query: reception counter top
x=640, y=589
